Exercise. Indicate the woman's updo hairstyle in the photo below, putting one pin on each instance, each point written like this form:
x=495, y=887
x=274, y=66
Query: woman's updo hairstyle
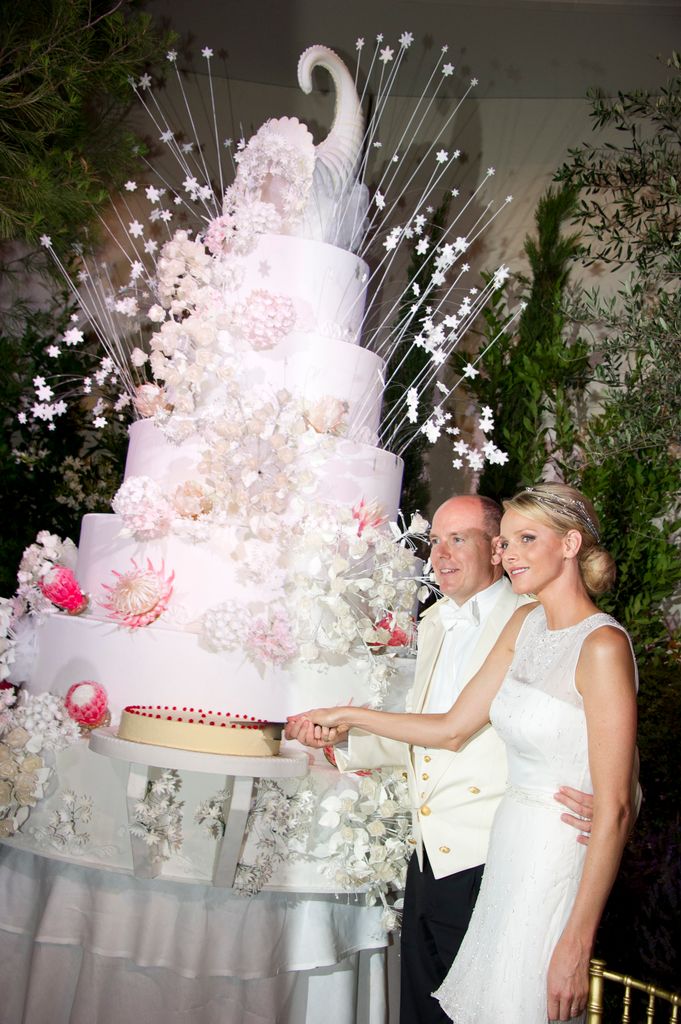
x=564, y=508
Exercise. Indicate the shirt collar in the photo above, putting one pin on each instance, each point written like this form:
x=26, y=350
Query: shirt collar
x=484, y=599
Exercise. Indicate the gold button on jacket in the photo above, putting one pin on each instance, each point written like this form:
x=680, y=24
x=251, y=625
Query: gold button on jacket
x=444, y=849
x=427, y=758
x=425, y=776
x=473, y=789
x=425, y=810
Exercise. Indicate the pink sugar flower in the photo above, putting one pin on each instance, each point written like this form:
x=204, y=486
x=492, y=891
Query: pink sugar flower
x=270, y=638
x=87, y=704
x=138, y=596
x=60, y=586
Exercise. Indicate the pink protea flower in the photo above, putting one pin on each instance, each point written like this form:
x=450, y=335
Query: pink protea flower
x=367, y=513
x=87, y=704
x=60, y=586
x=138, y=596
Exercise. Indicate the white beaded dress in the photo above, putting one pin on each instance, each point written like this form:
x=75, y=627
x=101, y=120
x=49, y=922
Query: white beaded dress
x=534, y=862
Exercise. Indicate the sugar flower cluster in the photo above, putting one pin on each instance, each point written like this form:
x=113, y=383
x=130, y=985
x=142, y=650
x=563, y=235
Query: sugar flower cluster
x=343, y=583
x=29, y=728
x=7, y=639
x=367, y=832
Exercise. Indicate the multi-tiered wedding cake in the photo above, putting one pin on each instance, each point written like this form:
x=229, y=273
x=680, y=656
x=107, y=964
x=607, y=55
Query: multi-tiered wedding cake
x=252, y=566
x=247, y=567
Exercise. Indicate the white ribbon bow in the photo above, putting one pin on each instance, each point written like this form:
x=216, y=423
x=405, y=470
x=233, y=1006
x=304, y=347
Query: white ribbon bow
x=451, y=613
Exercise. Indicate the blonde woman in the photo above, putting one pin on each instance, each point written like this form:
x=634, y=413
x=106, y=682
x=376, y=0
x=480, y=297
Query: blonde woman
x=560, y=688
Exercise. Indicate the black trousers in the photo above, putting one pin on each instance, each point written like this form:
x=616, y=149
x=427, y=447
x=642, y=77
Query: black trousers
x=434, y=921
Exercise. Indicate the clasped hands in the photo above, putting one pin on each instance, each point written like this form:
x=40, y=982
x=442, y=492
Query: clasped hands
x=318, y=728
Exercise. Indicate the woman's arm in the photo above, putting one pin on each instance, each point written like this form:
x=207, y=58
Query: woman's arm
x=606, y=679
x=449, y=731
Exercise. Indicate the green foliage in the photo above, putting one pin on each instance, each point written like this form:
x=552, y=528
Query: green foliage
x=64, y=92
x=630, y=213
x=49, y=477
x=630, y=200
x=630, y=493
x=531, y=378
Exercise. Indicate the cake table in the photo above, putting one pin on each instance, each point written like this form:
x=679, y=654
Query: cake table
x=82, y=943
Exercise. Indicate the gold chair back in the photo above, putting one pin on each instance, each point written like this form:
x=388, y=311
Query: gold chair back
x=632, y=1012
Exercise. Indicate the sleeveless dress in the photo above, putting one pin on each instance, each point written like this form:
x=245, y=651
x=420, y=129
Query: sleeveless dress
x=534, y=863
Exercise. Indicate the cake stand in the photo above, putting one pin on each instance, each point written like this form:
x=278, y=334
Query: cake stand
x=146, y=761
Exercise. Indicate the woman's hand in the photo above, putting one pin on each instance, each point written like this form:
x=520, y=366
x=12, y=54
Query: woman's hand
x=319, y=727
x=568, y=979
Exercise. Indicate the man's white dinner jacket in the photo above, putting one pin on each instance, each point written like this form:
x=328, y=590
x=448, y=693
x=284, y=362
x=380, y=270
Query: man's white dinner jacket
x=454, y=794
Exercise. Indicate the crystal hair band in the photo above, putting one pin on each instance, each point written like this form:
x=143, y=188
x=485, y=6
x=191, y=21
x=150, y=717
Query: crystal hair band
x=570, y=505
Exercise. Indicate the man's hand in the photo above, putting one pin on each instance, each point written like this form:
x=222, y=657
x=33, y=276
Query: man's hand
x=582, y=806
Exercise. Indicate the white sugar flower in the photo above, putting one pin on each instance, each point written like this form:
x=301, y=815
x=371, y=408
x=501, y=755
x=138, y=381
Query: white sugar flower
x=144, y=509
x=138, y=357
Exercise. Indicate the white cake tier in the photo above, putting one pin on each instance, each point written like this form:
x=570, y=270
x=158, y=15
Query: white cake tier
x=327, y=285
x=206, y=573
x=316, y=368
x=350, y=472
x=163, y=666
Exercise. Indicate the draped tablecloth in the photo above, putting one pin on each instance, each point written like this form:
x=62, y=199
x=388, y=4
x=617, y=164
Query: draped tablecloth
x=88, y=946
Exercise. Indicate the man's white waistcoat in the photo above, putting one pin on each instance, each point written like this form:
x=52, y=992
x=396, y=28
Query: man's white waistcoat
x=454, y=795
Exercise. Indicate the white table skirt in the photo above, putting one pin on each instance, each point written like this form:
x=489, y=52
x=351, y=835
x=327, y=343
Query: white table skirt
x=87, y=946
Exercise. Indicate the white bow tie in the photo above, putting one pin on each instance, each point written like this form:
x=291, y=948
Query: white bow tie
x=451, y=613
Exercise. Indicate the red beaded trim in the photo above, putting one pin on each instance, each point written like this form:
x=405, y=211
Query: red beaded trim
x=150, y=711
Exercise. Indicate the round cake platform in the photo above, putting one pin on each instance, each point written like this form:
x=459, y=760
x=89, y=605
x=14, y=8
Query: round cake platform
x=285, y=765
